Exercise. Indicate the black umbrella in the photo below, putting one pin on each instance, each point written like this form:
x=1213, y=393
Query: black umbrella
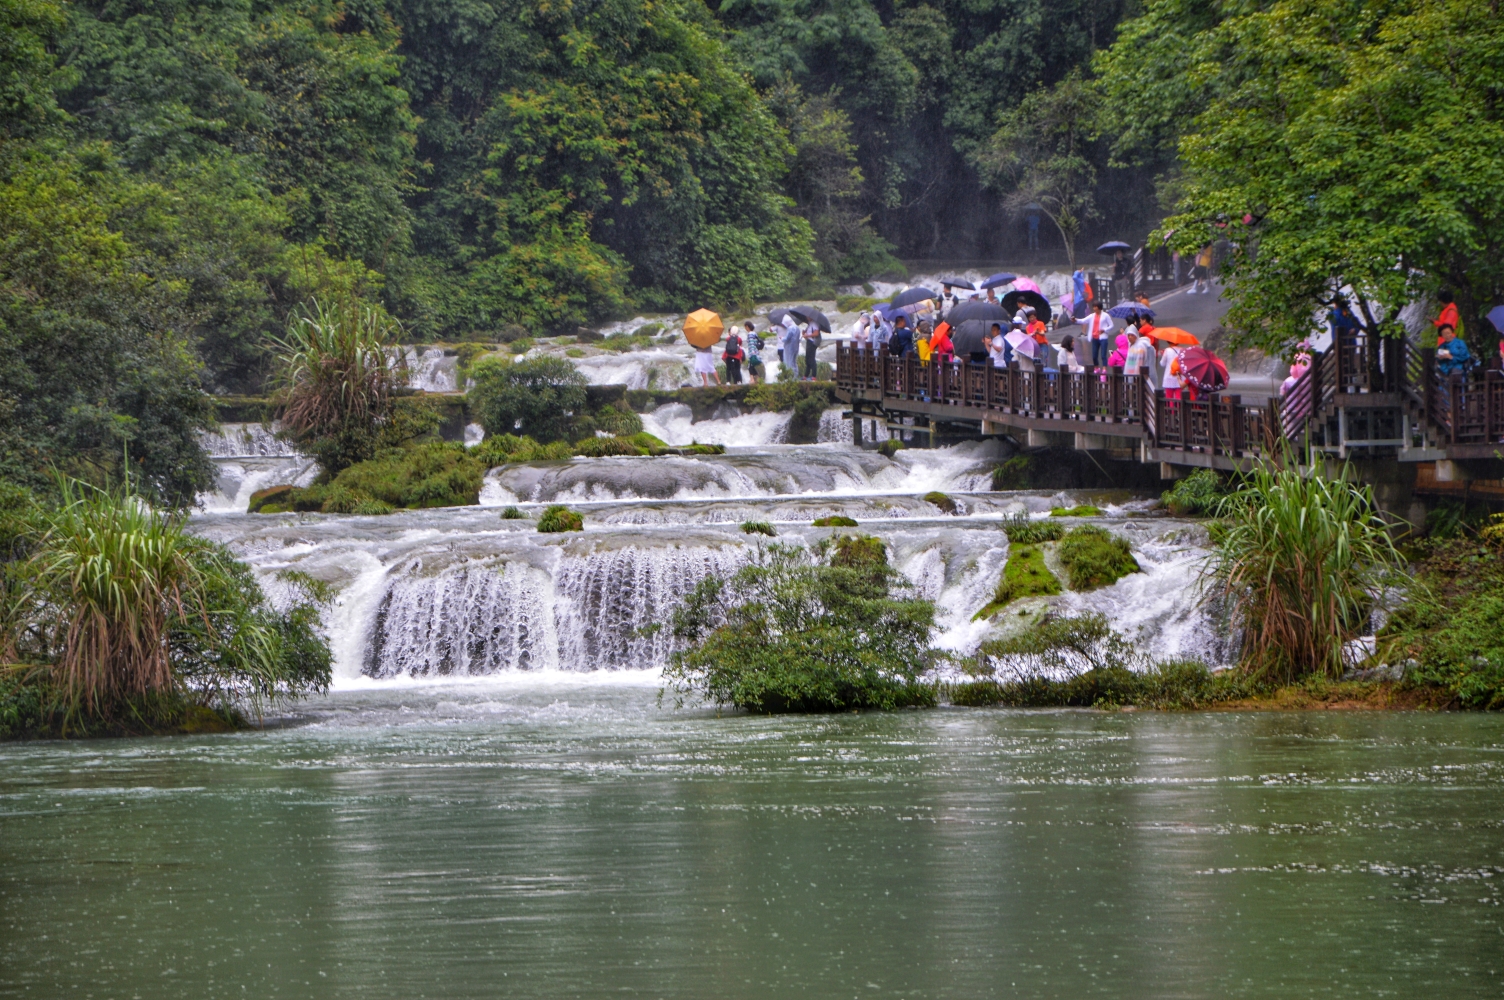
x=1041, y=305
x=970, y=337
x=776, y=316
x=958, y=283
x=909, y=296
x=1113, y=246
x=1000, y=278
x=981, y=309
x=809, y=314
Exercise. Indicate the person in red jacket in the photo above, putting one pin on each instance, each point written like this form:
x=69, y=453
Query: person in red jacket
x=1449, y=316
x=941, y=348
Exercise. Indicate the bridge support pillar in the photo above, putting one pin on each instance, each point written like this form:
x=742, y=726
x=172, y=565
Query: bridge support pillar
x=1092, y=442
x=1448, y=471
x=1168, y=471
x=993, y=427
x=1051, y=439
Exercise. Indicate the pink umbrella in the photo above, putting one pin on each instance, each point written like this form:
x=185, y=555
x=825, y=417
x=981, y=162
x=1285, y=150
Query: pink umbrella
x=1025, y=285
x=1023, y=343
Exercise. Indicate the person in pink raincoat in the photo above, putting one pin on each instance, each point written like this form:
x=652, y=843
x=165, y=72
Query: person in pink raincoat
x=1120, y=356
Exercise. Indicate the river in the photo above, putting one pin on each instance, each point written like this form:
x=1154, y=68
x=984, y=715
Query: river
x=493, y=801
x=551, y=836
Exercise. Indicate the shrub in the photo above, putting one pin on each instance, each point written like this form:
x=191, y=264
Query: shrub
x=1198, y=494
x=622, y=423
x=1298, y=563
x=503, y=449
x=835, y=521
x=1094, y=557
x=1014, y=474
x=1081, y=510
x=536, y=397
x=759, y=528
x=940, y=500
x=512, y=514
x=1024, y=530
x=522, y=345
x=1024, y=575
x=599, y=447
x=559, y=518
x=831, y=628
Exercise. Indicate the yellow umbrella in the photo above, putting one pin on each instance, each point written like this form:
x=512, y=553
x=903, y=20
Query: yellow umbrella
x=702, y=328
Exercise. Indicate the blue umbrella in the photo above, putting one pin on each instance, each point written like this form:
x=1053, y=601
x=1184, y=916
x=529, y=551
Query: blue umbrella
x=1496, y=317
x=1113, y=246
x=958, y=283
x=909, y=296
x=1125, y=309
x=1000, y=278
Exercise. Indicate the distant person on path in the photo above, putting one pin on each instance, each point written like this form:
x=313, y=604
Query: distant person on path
x=705, y=366
x=1098, y=325
x=1202, y=271
x=733, y=357
x=755, y=369
x=1122, y=275
x=788, y=345
x=811, y=345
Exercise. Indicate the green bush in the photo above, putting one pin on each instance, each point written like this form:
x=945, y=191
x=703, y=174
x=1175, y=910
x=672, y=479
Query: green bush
x=503, y=449
x=1014, y=474
x=536, y=396
x=1081, y=510
x=806, y=630
x=1094, y=557
x=599, y=447
x=891, y=447
x=622, y=423
x=512, y=514
x=1449, y=623
x=522, y=345
x=759, y=528
x=1198, y=494
x=940, y=500
x=559, y=518
x=834, y=521
x=433, y=474
x=1024, y=575
x=1024, y=530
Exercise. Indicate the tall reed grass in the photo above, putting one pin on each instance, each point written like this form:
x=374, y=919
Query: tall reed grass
x=338, y=368
x=1299, y=561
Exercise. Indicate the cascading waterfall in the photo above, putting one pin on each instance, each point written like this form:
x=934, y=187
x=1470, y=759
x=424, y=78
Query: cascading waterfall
x=247, y=458
x=433, y=370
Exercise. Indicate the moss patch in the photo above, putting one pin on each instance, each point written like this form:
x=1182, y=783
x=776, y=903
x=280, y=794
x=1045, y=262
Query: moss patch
x=432, y=474
x=940, y=500
x=1025, y=575
x=1081, y=510
x=835, y=521
x=1094, y=557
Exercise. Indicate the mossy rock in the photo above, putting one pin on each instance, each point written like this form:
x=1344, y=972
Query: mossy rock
x=1024, y=530
x=279, y=497
x=560, y=518
x=835, y=521
x=890, y=447
x=1081, y=510
x=1025, y=575
x=940, y=500
x=1094, y=557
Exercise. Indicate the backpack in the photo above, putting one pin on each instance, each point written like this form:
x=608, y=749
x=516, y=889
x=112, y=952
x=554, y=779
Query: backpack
x=733, y=351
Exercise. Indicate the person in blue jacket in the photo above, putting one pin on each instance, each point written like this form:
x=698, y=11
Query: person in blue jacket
x=1452, y=357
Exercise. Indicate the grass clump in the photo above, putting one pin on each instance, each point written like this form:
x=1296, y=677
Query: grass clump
x=1298, y=562
x=940, y=500
x=605, y=447
x=573, y=352
x=758, y=528
x=1094, y=557
x=834, y=521
x=1080, y=510
x=823, y=629
x=504, y=449
x=1023, y=530
x=1197, y=495
x=558, y=518
x=512, y=514
x=1024, y=575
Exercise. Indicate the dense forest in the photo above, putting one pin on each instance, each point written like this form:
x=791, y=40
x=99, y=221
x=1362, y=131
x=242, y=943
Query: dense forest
x=177, y=177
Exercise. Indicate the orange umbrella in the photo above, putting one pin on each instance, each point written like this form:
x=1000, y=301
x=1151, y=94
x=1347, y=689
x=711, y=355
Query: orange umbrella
x=1173, y=335
x=702, y=328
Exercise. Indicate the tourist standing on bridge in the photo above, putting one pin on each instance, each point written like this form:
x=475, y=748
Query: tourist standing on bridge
x=1453, y=357
x=1065, y=356
x=811, y=346
x=1098, y=325
x=1449, y=315
x=861, y=332
x=901, y=344
x=1140, y=359
x=1169, y=364
x=1119, y=357
x=997, y=347
x=940, y=345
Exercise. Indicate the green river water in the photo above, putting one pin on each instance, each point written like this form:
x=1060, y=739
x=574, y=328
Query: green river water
x=570, y=838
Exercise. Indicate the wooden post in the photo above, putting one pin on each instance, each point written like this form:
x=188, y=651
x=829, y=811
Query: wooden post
x=1238, y=431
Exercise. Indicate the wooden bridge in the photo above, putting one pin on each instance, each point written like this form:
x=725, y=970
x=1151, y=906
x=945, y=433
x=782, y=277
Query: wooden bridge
x=1364, y=398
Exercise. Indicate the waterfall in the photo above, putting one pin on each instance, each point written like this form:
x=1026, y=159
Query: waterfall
x=433, y=370
x=245, y=441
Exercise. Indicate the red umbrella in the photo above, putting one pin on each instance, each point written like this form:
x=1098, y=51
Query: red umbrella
x=1202, y=370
